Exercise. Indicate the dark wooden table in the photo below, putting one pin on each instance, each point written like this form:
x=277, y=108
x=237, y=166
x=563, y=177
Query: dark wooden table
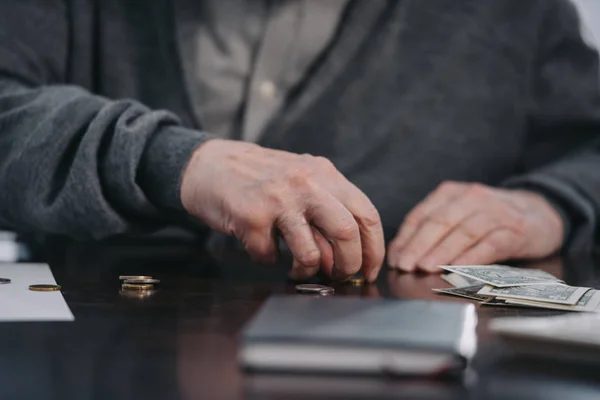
x=180, y=343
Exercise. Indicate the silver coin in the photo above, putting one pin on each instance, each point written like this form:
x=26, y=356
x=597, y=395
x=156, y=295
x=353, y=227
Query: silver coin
x=312, y=288
x=327, y=292
x=4, y=280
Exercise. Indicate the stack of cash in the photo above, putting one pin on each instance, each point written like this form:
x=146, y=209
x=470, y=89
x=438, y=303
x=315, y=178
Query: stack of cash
x=511, y=286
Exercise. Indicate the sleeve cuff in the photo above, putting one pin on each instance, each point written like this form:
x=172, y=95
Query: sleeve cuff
x=163, y=162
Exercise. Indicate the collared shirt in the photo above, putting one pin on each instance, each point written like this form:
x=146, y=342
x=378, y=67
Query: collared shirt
x=251, y=53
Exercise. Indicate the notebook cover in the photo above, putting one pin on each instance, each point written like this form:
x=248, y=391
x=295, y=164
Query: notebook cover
x=352, y=321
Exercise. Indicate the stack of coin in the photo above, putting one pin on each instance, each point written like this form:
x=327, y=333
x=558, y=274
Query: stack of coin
x=138, y=283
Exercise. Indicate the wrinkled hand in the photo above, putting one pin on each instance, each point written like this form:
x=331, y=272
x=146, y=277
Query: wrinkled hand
x=256, y=193
x=462, y=223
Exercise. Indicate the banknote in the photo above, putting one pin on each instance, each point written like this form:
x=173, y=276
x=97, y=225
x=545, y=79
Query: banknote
x=503, y=275
x=458, y=280
x=502, y=303
x=470, y=292
x=556, y=293
x=589, y=302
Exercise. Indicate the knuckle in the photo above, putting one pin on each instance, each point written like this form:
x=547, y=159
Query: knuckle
x=448, y=186
x=509, y=217
x=470, y=231
x=310, y=257
x=479, y=191
x=500, y=242
x=370, y=217
x=259, y=249
x=519, y=224
x=440, y=218
x=414, y=218
x=258, y=252
x=347, y=231
x=257, y=220
x=289, y=222
x=297, y=175
x=323, y=163
x=275, y=195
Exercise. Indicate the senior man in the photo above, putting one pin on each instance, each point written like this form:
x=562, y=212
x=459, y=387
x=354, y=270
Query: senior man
x=121, y=115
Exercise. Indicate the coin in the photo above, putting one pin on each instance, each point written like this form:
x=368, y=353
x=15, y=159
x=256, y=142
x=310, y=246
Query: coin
x=327, y=292
x=136, y=294
x=128, y=277
x=5, y=280
x=44, y=288
x=312, y=288
x=141, y=281
x=357, y=281
x=137, y=286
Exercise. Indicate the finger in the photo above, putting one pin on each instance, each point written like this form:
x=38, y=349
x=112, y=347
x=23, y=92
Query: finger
x=302, y=273
x=498, y=245
x=326, y=264
x=261, y=246
x=298, y=236
x=445, y=193
x=340, y=228
x=462, y=237
x=434, y=229
x=370, y=229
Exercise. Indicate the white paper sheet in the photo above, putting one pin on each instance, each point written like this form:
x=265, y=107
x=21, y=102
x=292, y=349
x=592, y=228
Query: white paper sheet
x=18, y=303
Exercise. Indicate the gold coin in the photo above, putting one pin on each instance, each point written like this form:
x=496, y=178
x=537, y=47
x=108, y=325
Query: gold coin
x=127, y=277
x=137, y=286
x=357, y=281
x=138, y=281
x=136, y=294
x=44, y=288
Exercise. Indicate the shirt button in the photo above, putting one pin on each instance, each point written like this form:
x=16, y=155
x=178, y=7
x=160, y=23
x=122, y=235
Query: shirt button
x=267, y=89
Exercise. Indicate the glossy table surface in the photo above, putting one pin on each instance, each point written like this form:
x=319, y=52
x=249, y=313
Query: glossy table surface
x=180, y=342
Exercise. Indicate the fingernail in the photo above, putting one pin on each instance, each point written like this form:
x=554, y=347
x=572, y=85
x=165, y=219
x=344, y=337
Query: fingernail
x=373, y=276
x=429, y=264
x=392, y=260
x=406, y=263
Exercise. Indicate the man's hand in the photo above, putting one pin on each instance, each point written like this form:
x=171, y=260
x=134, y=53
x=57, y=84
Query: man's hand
x=461, y=224
x=256, y=193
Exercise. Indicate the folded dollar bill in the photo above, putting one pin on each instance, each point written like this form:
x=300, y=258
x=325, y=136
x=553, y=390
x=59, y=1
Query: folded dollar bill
x=469, y=292
x=501, y=303
x=589, y=302
x=503, y=275
x=556, y=293
x=458, y=280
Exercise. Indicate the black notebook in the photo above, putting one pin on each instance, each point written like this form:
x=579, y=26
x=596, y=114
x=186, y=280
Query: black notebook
x=359, y=335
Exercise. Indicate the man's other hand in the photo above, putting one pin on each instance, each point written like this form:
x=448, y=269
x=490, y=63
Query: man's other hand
x=257, y=193
x=463, y=223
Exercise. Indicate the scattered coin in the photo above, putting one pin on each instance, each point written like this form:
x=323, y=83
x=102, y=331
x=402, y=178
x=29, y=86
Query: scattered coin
x=5, y=280
x=44, y=288
x=357, y=281
x=312, y=288
x=128, y=277
x=134, y=281
x=137, y=286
